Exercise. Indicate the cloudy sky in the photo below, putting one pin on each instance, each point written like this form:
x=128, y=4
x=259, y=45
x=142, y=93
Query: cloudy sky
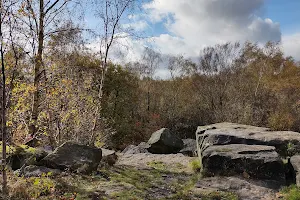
x=186, y=26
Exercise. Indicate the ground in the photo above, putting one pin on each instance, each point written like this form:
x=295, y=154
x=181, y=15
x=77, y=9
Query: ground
x=141, y=176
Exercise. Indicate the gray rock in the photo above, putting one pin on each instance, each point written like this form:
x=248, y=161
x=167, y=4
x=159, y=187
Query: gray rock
x=164, y=142
x=287, y=143
x=74, y=157
x=295, y=162
x=245, y=188
x=132, y=149
x=37, y=171
x=190, y=147
x=109, y=157
x=251, y=161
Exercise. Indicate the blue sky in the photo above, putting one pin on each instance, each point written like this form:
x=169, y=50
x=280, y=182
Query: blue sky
x=286, y=12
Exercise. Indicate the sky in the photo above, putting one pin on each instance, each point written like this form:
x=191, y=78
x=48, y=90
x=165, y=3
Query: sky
x=184, y=27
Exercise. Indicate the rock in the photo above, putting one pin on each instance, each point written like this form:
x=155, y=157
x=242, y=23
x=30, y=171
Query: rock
x=190, y=147
x=295, y=162
x=37, y=171
x=132, y=149
x=74, y=157
x=109, y=157
x=24, y=155
x=250, y=161
x=178, y=163
x=287, y=143
x=164, y=142
x=245, y=189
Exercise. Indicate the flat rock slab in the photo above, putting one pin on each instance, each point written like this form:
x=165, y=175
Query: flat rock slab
x=286, y=142
x=245, y=189
x=251, y=161
x=172, y=162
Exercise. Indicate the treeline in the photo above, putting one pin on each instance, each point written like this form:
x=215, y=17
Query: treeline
x=245, y=84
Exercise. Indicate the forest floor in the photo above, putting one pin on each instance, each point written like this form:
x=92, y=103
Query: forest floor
x=139, y=177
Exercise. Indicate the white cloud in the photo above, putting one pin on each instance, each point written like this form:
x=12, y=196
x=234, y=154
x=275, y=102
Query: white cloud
x=291, y=45
x=199, y=23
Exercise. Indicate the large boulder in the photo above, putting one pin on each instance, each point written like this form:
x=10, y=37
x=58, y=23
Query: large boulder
x=287, y=143
x=250, y=161
x=132, y=149
x=295, y=162
x=190, y=147
x=74, y=157
x=164, y=142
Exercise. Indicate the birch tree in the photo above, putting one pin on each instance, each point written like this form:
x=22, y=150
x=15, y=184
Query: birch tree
x=41, y=19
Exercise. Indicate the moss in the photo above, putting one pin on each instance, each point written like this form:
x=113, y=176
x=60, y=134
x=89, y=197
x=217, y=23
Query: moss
x=28, y=149
x=291, y=193
x=159, y=165
x=9, y=149
x=195, y=165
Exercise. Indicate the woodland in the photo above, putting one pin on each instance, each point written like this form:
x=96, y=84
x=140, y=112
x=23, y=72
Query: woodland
x=54, y=88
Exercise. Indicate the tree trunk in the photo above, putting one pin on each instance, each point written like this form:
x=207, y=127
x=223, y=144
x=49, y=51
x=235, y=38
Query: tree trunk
x=38, y=64
x=3, y=114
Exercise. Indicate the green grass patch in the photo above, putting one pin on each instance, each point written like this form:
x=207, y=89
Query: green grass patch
x=195, y=165
x=159, y=165
x=291, y=193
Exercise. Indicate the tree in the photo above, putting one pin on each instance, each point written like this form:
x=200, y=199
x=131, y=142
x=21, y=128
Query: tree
x=111, y=13
x=41, y=19
x=3, y=101
x=150, y=62
x=6, y=29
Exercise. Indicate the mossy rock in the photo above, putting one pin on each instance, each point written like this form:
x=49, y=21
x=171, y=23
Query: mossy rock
x=23, y=154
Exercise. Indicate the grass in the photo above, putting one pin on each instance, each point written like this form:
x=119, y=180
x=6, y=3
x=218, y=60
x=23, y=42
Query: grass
x=291, y=193
x=123, y=183
x=195, y=165
x=159, y=165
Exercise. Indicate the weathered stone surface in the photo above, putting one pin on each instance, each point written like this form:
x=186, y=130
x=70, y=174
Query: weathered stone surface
x=37, y=171
x=171, y=162
x=246, y=189
x=132, y=149
x=295, y=162
x=190, y=147
x=286, y=142
x=74, y=157
x=252, y=161
x=164, y=142
x=109, y=157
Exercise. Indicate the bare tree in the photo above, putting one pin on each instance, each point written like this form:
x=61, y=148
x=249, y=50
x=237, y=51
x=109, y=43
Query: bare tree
x=150, y=62
x=111, y=14
x=5, y=26
x=41, y=19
